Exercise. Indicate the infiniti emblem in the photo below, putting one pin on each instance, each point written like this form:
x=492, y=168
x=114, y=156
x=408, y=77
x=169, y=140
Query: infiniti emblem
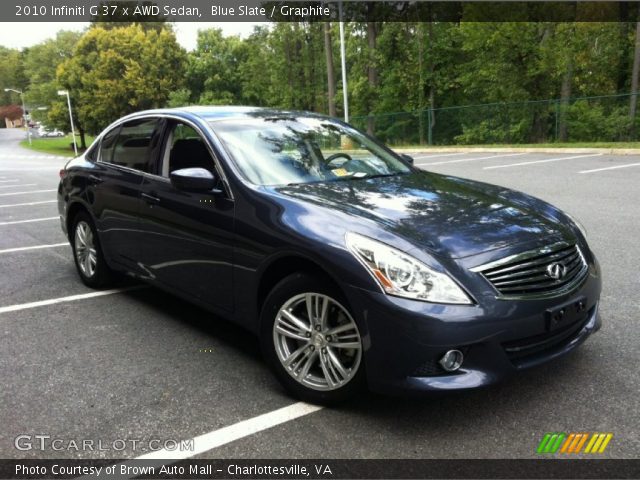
x=556, y=271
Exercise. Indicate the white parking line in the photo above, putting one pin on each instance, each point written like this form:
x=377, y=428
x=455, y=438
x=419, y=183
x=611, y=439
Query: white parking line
x=610, y=168
x=26, y=193
x=472, y=159
x=542, y=161
x=31, y=220
x=8, y=181
x=26, y=204
x=424, y=156
x=19, y=185
x=35, y=247
x=222, y=436
x=71, y=298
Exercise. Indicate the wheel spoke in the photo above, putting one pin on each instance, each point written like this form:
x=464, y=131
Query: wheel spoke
x=349, y=345
x=292, y=322
x=311, y=308
x=82, y=234
x=323, y=314
x=342, y=328
x=296, y=354
x=87, y=265
x=307, y=363
x=324, y=365
x=337, y=364
x=287, y=333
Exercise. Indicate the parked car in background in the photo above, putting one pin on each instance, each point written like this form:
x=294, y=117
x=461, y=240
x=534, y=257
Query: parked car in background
x=354, y=267
x=45, y=132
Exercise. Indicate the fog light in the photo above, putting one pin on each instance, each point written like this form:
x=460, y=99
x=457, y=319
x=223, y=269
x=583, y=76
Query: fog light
x=452, y=360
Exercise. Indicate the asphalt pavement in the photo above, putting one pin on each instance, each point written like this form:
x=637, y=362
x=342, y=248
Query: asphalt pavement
x=137, y=364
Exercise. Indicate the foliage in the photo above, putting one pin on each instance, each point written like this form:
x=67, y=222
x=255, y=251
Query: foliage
x=119, y=71
x=40, y=64
x=428, y=70
x=12, y=112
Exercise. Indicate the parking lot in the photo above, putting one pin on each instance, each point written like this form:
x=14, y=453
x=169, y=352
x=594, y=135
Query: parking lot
x=135, y=363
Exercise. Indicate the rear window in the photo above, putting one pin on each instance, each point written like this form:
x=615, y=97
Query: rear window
x=131, y=145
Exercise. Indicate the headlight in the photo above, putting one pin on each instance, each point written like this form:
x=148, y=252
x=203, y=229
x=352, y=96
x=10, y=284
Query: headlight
x=578, y=224
x=402, y=275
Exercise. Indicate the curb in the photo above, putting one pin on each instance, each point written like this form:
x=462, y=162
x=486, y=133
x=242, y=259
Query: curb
x=610, y=151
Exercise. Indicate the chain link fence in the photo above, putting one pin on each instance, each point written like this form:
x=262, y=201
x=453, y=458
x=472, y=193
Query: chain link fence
x=583, y=119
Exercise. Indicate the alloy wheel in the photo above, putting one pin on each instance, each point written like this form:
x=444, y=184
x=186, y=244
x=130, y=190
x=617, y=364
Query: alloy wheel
x=317, y=341
x=85, y=249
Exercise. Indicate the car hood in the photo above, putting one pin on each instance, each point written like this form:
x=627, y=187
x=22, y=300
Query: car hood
x=446, y=215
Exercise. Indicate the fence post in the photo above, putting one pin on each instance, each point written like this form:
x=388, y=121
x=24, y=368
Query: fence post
x=429, y=136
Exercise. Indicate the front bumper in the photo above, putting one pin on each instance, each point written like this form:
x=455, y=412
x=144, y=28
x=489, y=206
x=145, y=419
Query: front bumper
x=404, y=339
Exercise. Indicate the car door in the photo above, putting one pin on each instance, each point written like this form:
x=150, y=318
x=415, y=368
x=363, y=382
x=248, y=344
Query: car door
x=115, y=183
x=188, y=237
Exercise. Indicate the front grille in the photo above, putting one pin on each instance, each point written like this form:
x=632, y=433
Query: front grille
x=527, y=274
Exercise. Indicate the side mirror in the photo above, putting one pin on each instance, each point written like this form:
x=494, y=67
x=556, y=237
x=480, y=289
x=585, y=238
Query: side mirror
x=193, y=180
x=407, y=158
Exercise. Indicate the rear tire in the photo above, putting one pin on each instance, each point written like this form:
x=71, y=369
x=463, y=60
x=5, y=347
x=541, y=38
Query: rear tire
x=87, y=253
x=312, y=341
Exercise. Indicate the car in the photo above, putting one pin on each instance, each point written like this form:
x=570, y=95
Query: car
x=44, y=132
x=355, y=268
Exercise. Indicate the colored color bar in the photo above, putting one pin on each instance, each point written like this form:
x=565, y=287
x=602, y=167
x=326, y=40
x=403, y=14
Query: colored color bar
x=543, y=443
x=582, y=440
x=556, y=445
x=567, y=442
x=550, y=443
x=594, y=437
x=596, y=445
x=576, y=439
x=606, y=441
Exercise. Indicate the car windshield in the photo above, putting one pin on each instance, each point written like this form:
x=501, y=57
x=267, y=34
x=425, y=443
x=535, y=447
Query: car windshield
x=284, y=150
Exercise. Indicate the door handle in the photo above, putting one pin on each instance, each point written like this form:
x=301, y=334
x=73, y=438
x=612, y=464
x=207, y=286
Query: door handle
x=150, y=199
x=95, y=180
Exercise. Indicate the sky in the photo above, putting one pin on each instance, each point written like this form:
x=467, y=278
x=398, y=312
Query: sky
x=26, y=34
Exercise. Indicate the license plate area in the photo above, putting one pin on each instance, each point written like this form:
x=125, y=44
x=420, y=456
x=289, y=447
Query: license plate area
x=565, y=315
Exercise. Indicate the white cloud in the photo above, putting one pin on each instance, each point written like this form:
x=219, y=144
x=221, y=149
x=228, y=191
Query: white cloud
x=26, y=34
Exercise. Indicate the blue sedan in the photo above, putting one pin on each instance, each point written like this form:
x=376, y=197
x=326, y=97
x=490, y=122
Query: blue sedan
x=355, y=268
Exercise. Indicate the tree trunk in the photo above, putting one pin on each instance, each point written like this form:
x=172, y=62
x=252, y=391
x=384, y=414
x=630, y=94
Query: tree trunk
x=624, y=27
x=565, y=95
x=633, y=102
x=372, y=72
x=421, y=85
x=331, y=77
x=83, y=140
x=432, y=88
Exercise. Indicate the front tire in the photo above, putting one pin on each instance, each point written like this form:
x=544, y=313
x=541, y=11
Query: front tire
x=311, y=340
x=87, y=253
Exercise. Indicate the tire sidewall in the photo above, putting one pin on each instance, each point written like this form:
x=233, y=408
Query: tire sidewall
x=281, y=292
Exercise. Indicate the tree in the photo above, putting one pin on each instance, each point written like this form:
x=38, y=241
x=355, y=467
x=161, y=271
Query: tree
x=11, y=74
x=331, y=76
x=40, y=65
x=213, y=69
x=634, y=76
x=120, y=71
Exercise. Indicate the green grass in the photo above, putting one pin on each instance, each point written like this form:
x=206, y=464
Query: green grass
x=54, y=146
x=534, y=145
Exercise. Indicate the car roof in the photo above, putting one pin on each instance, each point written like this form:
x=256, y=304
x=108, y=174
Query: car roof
x=213, y=113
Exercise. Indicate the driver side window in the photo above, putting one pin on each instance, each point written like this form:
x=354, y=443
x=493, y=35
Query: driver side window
x=185, y=148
